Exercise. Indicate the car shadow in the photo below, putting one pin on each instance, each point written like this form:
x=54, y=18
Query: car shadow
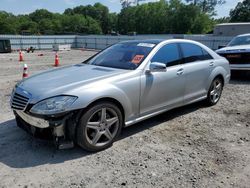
x=161, y=118
x=20, y=150
x=240, y=77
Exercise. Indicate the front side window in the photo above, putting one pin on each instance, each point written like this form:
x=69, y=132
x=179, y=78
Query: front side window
x=192, y=53
x=127, y=55
x=168, y=54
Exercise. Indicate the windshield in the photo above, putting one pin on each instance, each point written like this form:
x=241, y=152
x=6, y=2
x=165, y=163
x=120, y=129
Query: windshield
x=122, y=55
x=244, y=40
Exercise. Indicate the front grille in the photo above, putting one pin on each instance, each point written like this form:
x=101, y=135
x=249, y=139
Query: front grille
x=19, y=102
x=237, y=58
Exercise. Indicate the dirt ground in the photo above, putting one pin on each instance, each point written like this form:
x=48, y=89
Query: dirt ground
x=192, y=146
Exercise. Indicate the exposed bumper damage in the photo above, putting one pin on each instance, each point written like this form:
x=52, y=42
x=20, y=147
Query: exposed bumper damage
x=60, y=129
x=34, y=121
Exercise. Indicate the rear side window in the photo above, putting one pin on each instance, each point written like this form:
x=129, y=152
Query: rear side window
x=192, y=53
x=206, y=55
x=168, y=54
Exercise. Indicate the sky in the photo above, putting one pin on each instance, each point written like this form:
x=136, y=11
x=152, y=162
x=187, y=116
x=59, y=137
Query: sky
x=28, y=6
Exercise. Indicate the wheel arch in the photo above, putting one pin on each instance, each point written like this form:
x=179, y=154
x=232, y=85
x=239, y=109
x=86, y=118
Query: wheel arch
x=74, y=120
x=83, y=141
x=218, y=72
x=109, y=99
x=221, y=77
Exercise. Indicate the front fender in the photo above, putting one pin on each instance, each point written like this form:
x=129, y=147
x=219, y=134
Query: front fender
x=86, y=96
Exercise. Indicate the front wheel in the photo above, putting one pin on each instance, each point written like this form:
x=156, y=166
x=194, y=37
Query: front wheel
x=215, y=92
x=99, y=126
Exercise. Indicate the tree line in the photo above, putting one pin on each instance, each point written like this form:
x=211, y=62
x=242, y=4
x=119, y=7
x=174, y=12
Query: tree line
x=163, y=17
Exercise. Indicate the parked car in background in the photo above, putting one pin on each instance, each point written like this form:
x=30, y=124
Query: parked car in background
x=90, y=103
x=237, y=52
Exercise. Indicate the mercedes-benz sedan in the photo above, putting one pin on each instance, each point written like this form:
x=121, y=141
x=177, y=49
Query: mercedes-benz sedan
x=89, y=103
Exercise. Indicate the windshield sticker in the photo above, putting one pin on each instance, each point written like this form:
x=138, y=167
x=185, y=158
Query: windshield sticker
x=149, y=45
x=137, y=59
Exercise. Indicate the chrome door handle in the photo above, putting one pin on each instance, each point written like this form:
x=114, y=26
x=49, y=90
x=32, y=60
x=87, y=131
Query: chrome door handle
x=211, y=64
x=180, y=71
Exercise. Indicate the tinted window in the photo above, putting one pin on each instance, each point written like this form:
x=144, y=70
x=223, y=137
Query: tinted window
x=206, y=55
x=168, y=54
x=127, y=55
x=192, y=52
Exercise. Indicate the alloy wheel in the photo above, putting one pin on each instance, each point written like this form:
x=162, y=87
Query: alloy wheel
x=216, y=91
x=102, y=127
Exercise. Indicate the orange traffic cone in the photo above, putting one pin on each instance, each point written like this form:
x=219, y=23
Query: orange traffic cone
x=25, y=71
x=20, y=56
x=56, y=60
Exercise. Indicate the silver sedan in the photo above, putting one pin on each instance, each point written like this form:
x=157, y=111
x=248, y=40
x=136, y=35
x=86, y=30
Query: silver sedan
x=89, y=103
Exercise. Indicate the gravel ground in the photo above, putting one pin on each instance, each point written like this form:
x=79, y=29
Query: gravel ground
x=192, y=146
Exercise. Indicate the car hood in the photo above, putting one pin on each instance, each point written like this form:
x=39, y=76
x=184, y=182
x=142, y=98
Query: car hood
x=234, y=49
x=62, y=80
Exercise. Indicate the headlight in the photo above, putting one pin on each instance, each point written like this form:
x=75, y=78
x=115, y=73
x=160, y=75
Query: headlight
x=53, y=105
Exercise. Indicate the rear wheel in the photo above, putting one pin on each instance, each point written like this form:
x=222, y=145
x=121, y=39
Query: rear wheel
x=99, y=126
x=215, y=91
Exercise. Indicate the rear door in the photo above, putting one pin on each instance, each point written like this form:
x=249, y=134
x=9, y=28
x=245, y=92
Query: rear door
x=198, y=65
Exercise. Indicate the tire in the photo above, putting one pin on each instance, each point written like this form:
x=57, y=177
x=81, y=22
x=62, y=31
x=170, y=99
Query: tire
x=99, y=126
x=214, y=92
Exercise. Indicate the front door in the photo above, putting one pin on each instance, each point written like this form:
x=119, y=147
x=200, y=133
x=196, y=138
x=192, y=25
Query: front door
x=163, y=90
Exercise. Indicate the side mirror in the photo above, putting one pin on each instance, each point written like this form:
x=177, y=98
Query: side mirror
x=157, y=67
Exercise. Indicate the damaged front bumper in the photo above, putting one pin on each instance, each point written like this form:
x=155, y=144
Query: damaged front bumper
x=34, y=121
x=60, y=129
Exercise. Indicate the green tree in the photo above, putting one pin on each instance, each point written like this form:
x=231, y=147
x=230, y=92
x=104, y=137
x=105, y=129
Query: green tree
x=46, y=26
x=24, y=23
x=162, y=17
x=126, y=20
x=112, y=22
x=125, y=3
x=241, y=13
x=98, y=12
x=40, y=14
x=103, y=12
x=7, y=23
x=93, y=26
x=158, y=14
x=173, y=17
x=207, y=6
x=79, y=24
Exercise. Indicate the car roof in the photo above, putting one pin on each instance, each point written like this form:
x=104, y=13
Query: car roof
x=158, y=41
x=244, y=35
x=152, y=41
x=233, y=24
